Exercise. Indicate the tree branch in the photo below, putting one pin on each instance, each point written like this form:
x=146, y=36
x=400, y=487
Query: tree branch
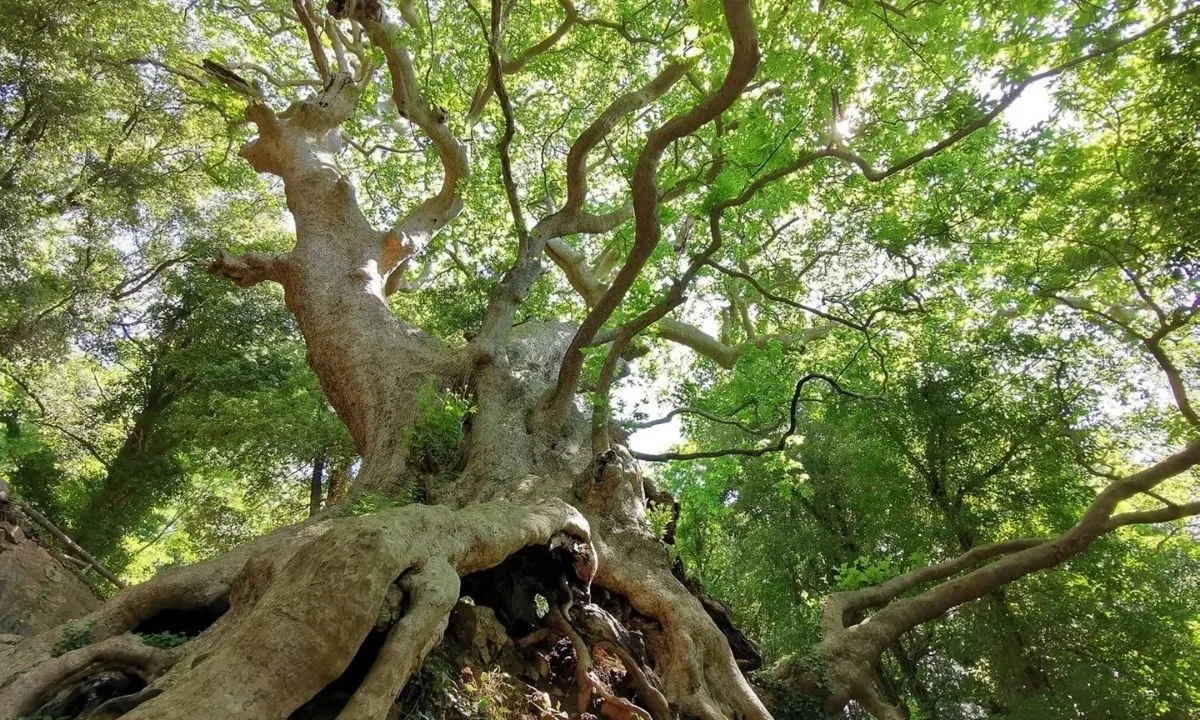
x=485, y=90
x=414, y=229
x=778, y=446
x=647, y=232
x=314, y=39
x=875, y=175
x=251, y=268
x=851, y=652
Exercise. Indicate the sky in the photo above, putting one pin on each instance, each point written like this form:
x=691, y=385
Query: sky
x=1035, y=105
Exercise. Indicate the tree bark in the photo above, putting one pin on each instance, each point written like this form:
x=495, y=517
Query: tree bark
x=315, y=482
x=301, y=600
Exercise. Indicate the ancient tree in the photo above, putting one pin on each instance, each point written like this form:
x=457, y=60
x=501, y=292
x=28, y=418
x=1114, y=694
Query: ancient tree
x=546, y=472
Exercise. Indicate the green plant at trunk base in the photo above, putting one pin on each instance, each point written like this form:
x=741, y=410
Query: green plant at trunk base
x=75, y=635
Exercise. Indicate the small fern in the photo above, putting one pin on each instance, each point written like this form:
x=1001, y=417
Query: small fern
x=74, y=636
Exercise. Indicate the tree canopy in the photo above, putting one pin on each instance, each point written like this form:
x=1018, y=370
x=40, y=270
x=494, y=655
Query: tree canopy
x=895, y=304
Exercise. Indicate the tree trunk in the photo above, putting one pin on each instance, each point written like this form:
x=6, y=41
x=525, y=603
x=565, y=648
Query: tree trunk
x=140, y=476
x=282, y=617
x=315, y=483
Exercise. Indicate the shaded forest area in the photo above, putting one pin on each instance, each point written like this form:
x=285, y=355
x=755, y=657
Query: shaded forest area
x=623, y=359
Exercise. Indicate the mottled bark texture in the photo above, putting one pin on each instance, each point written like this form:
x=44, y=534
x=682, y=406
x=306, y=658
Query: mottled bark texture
x=273, y=623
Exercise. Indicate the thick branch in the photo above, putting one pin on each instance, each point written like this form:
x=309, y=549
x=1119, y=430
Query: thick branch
x=648, y=231
x=851, y=652
x=251, y=268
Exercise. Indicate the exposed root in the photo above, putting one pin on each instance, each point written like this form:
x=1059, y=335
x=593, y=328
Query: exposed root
x=432, y=591
x=310, y=595
x=124, y=653
x=698, y=670
x=587, y=682
x=317, y=608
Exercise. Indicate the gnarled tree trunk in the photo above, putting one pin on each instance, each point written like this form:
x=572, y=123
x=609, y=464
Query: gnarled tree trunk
x=279, y=619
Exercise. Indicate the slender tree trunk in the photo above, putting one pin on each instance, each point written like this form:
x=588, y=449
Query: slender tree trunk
x=140, y=476
x=314, y=486
x=1013, y=649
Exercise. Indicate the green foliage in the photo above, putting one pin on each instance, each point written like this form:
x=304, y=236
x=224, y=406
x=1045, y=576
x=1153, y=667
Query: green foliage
x=367, y=502
x=1006, y=303
x=783, y=695
x=74, y=635
x=861, y=572
x=435, y=438
x=659, y=517
x=486, y=695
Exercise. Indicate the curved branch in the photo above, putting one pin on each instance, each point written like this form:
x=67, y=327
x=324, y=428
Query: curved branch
x=778, y=446
x=603, y=125
x=508, y=294
x=314, y=39
x=648, y=232
x=420, y=224
x=854, y=325
x=509, y=67
x=852, y=652
x=706, y=414
x=1179, y=389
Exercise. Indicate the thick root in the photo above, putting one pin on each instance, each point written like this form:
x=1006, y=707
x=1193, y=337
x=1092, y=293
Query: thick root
x=307, y=596
x=301, y=602
x=123, y=653
x=432, y=592
x=698, y=670
x=193, y=588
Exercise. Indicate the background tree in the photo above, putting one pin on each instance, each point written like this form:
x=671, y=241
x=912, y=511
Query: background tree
x=922, y=356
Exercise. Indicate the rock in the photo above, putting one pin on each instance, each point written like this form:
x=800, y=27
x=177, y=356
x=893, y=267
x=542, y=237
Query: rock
x=36, y=592
x=391, y=609
x=474, y=637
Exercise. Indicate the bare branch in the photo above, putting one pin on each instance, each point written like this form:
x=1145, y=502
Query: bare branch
x=71, y=545
x=1179, y=389
x=861, y=327
x=185, y=74
x=779, y=445
x=729, y=419
x=132, y=285
x=1151, y=343
x=271, y=78
x=505, y=298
